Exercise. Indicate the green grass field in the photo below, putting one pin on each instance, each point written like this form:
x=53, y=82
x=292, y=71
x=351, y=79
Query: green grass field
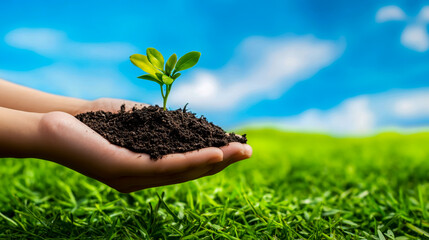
x=296, y=186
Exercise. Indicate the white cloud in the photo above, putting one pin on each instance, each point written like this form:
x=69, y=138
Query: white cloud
x=361, y=115
x=424, y=14
x=43, y=41
x=80, y=69
x=352, y=116
x=412, y=106
x=415, y=36
x=262, y=68
x=55, y=44
x=390, y=13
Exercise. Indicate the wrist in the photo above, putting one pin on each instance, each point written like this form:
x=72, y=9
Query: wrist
x=19, y=133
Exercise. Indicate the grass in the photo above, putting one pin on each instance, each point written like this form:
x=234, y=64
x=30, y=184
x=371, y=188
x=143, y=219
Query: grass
x=296, y=186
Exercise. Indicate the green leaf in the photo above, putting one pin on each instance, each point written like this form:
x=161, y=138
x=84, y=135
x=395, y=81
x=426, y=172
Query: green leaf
x=159, y=76
x=380, y=235
x=155, y=57
x=150, y=78
x=417, y=230
x=175, y=76
x=142, y=62
x=167, y=80
x=171, y=63
x=187, y=61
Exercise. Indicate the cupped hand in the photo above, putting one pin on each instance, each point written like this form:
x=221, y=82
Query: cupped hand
x=73, y=144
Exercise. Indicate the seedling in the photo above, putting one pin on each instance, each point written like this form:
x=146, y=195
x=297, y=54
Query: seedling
x=153, y=64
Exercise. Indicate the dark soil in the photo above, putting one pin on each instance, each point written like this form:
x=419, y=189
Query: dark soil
x=157, y=132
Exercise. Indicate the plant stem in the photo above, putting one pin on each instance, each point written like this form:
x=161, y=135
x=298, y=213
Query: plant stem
x=164, y=97
x=167, y=92
x=162, y=91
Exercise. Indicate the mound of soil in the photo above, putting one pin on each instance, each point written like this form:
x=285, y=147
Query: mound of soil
x=156, y=132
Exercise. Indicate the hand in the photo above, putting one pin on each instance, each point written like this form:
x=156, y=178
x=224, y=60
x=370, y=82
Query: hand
x=106, y=104
x=73, y=144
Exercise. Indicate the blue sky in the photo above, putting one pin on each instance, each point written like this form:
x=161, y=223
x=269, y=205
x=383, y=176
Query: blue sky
x=344, y=67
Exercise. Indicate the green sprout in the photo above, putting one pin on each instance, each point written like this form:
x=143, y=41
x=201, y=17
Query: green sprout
x=153, y=64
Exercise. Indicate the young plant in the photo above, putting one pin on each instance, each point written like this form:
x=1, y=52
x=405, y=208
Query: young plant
x=153, y=65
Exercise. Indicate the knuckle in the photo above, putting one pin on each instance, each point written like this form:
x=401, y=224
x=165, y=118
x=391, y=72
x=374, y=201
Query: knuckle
x=53, y=120
x=52, y=124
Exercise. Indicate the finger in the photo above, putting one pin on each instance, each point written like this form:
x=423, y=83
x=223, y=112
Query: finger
x=232, y=154
x=129, y=105
x=115, y=105
x=133, y=164
x=236, y=151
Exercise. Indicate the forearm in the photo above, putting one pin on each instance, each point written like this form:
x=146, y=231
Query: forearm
x=19, y=133
x=26, y=99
